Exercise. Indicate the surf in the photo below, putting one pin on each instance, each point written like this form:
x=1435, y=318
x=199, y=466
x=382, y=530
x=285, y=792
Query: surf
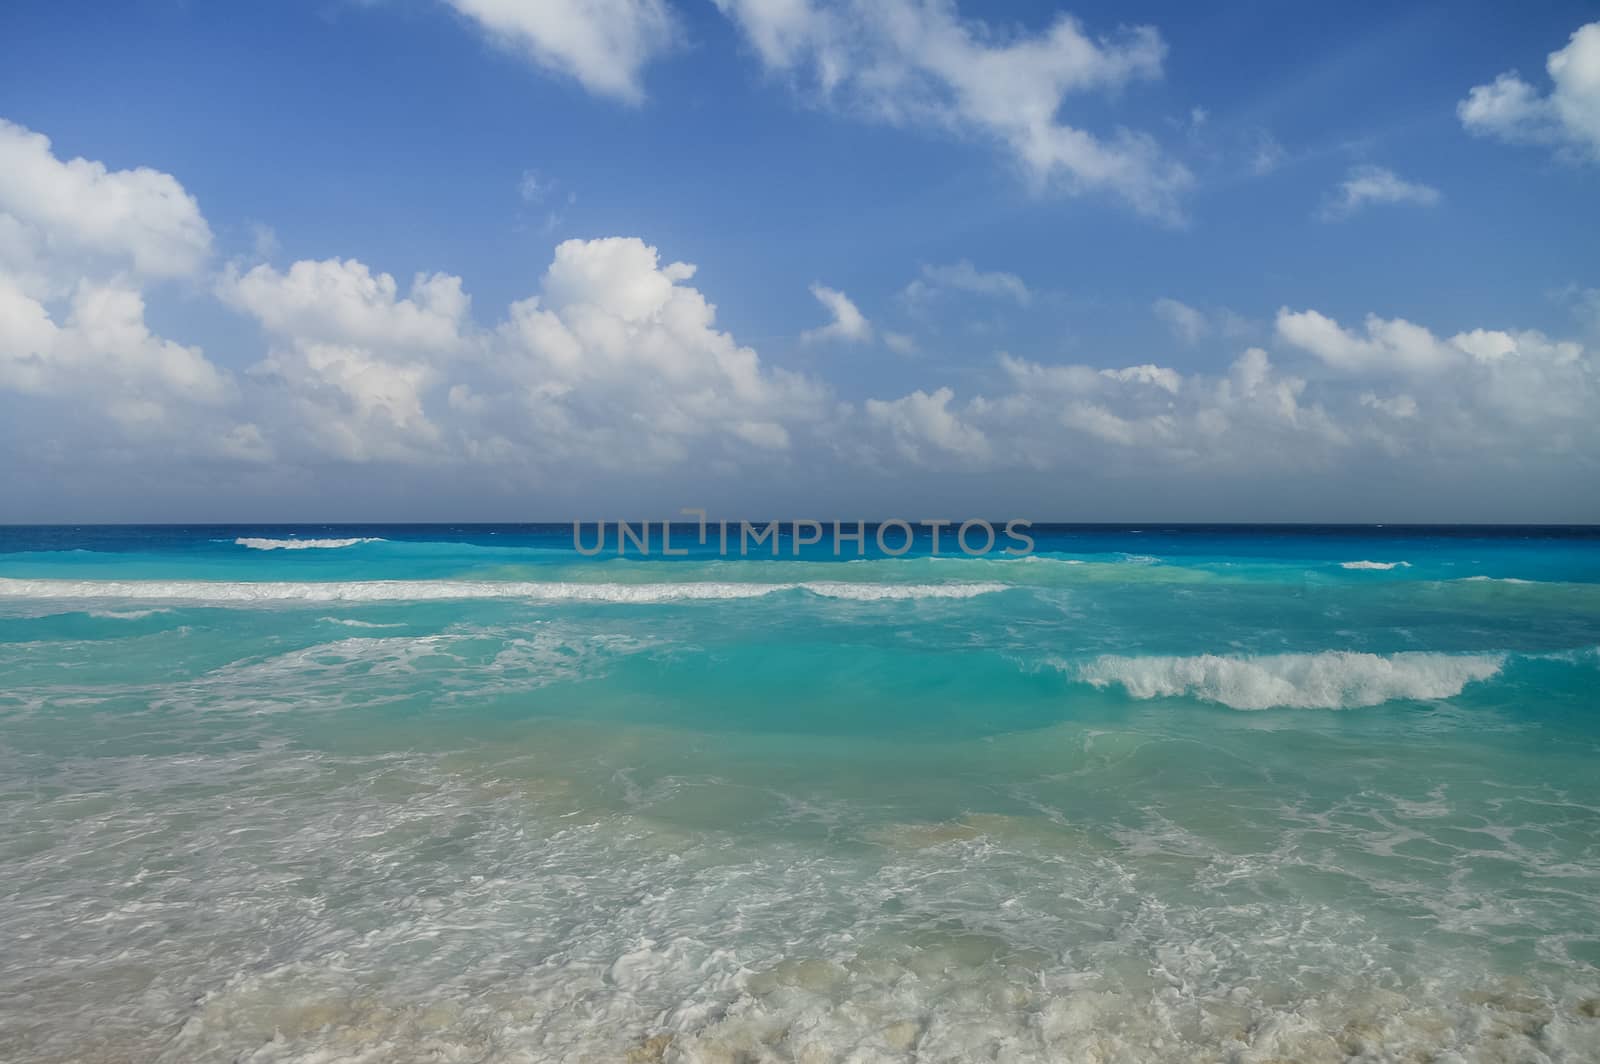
x=1335, y=679
x=232, y=592
x=261, y=543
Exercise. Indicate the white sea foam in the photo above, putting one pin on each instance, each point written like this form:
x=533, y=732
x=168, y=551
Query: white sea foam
x=1329, y=680
x=473, y=664
x=1044, y=947
x=259, y=543
x=1374, y=565
x=431, y=590
x=350, y=622
x=124, y=615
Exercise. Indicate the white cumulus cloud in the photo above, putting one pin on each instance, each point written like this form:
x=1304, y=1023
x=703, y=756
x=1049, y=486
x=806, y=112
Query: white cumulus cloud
x=1482, y=402
x=1567, y=117
x=618, y=362
x=1387, y=345
x=78, y=243
x=103, y=352
x=922, y=425
x=62, y=218
x=343, y=301
x=615, y=363
x=352, y=357
x=1395, y=345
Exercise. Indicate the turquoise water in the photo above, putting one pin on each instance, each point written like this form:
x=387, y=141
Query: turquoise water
x=460, y=794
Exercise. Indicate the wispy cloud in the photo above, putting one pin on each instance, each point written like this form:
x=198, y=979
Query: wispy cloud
x=963, y=276
x=919, y=63
x=603, y=44
x=848, y=324
x=1366, y=185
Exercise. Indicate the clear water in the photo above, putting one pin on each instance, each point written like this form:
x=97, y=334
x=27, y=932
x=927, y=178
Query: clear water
x=459, y=794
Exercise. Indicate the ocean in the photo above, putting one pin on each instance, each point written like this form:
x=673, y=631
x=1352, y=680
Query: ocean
x=461, y=793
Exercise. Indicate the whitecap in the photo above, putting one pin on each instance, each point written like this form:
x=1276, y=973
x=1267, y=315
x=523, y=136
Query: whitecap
x=1329, y=680
x=222, y=591
x=260, y=543
x=1375, y=565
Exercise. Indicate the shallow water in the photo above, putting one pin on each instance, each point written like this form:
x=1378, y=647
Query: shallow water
x=460, y=794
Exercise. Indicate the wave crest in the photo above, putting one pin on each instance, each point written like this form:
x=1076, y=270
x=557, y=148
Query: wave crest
x=260, y=543
x=1375, y=565
x=221, y=592
x=1328, y=680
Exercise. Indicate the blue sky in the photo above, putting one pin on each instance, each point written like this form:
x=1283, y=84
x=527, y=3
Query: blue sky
x=1134, y=261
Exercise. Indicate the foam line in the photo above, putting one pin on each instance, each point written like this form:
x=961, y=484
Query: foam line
x=223, y=592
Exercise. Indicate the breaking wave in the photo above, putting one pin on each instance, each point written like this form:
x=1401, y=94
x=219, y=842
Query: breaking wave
x=1328, y=680
x=428, y=590
x=1374, y=565
x=258, y=543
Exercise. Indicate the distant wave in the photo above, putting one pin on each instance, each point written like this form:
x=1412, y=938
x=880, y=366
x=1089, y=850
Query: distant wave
x=1374, y=565
x=995, y=558
x=1578, y=656
x=1328, y=680
x=424, y=590
x=256, y=543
